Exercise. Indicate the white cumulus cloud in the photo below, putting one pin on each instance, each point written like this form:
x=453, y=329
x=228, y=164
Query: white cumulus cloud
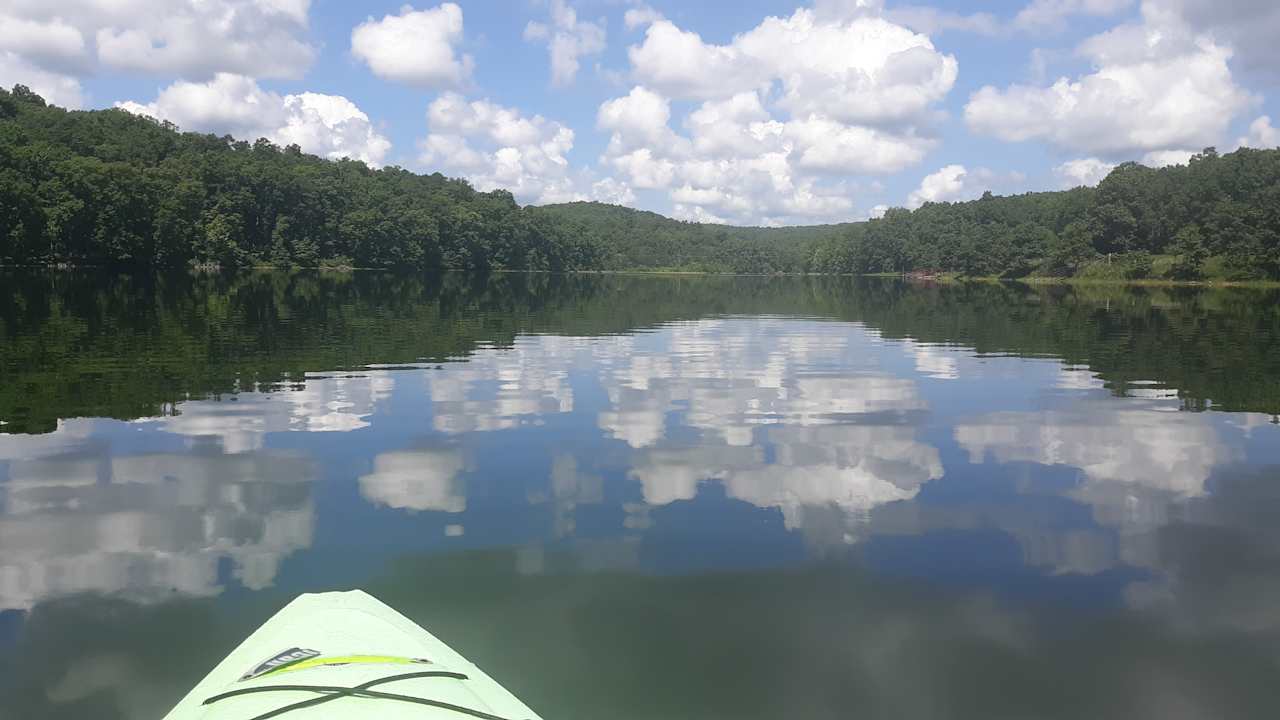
x=956, y=183
x=59, y=89
x=418, y=47
x=497, y=147
x=861, y=69
x=1249, y=27
x=192, y=38
x=637, y=120
x=1156, y=86
x=786, y=113
x=1262, y=134
x=50, y=47
x=640, y=15
x=327, y=125
x=568, y=39
x=824, y=145
x=198, y=38
x=612, y=191
x=50, y=43
x=679, y=64
x=1165, y=158
x=1083, y=171
x=945, y=184
x=864, y=70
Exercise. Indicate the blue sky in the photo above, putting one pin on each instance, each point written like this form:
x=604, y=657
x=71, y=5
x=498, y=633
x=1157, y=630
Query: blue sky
x=749, y=112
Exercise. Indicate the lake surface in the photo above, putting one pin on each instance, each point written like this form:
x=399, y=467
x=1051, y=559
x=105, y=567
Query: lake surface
x=658, y=498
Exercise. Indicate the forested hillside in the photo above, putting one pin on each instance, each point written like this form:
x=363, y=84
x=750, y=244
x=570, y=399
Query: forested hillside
x=1218, y=215
x=107, y=187
x=629, y=238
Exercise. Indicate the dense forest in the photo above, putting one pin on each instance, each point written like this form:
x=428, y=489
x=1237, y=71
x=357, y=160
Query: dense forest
x=108, y=187
x=635, y=239
x=1218, y=216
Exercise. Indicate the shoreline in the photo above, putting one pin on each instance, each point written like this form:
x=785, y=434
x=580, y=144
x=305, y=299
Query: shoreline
x=1145, y=282
x=947, y=279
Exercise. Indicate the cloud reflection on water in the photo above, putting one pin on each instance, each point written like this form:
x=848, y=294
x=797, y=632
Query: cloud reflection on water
x=323, y=404
x=77, y=518
x=825, y=423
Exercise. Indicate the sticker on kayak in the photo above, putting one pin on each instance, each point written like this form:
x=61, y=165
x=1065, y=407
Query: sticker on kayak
x=284, y=659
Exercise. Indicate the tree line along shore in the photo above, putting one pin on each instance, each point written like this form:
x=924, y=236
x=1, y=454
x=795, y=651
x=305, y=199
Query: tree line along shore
x=106, y=187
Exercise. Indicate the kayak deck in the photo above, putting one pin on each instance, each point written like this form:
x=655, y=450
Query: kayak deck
x=344, y=655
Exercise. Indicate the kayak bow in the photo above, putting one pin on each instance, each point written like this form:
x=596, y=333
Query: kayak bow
x=343, y=655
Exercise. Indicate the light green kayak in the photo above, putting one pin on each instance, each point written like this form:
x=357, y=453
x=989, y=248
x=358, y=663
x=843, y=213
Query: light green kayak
x=345, y=655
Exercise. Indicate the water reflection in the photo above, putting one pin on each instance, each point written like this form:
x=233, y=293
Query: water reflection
x=242, y=423
x=933, y=361
x=751, y=404
x=80, y=516
x=497, y=389
x=807, y=642
x=417, y=480
x=916, y=502
x=755, y=404
x=1139, y=464
x=1219, y=562
x=1138, y=445
x=853, y=468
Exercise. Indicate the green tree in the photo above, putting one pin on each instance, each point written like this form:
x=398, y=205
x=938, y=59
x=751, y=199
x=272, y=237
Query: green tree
x=1072, y=249
x=1189, y=246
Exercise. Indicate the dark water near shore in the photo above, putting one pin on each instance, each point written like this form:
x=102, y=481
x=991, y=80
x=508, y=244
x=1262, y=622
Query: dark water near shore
x=643, y=497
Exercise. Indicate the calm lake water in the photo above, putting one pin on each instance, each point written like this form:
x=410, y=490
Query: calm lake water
x=657, y=498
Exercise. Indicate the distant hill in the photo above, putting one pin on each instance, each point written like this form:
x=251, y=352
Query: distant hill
x=105, y=187
x=1217, y=217
x=640, y=239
